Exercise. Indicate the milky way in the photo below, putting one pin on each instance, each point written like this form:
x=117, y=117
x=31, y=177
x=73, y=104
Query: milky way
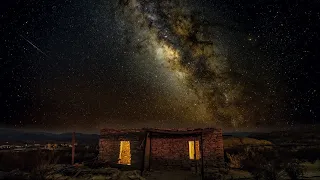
x=181, y=40
x=151, y=63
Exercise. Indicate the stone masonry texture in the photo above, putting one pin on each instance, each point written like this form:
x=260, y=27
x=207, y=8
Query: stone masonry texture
x=167, y=150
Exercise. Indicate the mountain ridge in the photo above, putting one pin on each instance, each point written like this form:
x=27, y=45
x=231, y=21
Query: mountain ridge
x=14, y=135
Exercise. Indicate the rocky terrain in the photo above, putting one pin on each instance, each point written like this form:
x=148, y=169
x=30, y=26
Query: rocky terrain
x=67, y=172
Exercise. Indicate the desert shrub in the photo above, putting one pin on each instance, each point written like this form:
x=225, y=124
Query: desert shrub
x=295, y=170
x=44, y=165
x=272, y=165
x=264, y=165
x=28, y=160
x=268, y=171
x=247, y=157
x=273, y=171
x=235, y=160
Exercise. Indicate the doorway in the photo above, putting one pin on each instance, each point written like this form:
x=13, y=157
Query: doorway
x=194, y=150
x=125, y=153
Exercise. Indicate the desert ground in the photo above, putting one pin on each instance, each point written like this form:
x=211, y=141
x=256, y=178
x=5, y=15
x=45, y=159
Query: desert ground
x=271, y=156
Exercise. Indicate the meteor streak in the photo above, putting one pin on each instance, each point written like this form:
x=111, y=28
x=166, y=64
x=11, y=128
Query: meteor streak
x=38, y=49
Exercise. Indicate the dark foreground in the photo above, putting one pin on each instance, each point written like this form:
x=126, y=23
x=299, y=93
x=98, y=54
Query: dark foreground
x=270, y=156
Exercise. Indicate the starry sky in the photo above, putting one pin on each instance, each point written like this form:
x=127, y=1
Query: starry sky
x=83, y=65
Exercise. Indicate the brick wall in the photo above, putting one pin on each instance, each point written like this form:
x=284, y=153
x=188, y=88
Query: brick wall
x=170, y=152
x=213, y=148
x=109, y=150
x=109, y=145
x=165, y=151
x=175, y=151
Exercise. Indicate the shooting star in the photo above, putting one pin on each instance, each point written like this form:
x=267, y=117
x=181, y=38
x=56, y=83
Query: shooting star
x=38, y=49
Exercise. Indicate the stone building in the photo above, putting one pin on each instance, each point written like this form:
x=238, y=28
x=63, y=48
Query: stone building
x=159, y=148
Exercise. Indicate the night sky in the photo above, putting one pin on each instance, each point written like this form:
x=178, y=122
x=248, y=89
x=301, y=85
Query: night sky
x=82, y=65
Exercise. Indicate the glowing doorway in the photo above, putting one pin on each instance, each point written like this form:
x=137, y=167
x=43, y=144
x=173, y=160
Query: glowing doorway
x=194, y=150
x=124, y=154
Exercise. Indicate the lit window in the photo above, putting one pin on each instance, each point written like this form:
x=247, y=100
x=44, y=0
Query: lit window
x=194, y=150
x=124, y=154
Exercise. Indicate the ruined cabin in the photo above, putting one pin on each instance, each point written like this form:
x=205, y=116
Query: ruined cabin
x=147, y=149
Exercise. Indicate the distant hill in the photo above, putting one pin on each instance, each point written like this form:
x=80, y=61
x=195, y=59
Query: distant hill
x=237, y=134
x=297, y=136
x=231, y=142
x=13, y=136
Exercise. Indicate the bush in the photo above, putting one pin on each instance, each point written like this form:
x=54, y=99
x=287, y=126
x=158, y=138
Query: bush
x=268, y=170
x=264, y=165
x=235, y=160
x=270, y=165
x=27, y=161
x=44, y=165
x=295, y=170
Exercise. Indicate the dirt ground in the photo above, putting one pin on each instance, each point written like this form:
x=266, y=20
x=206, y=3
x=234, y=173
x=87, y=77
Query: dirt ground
x=173, y=174
x=312, y=173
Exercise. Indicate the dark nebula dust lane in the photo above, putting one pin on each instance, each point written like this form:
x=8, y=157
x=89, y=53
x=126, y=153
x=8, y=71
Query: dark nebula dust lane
x=149, y=63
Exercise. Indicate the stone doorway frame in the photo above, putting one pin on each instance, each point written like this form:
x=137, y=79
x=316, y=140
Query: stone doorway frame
x=147, y=155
